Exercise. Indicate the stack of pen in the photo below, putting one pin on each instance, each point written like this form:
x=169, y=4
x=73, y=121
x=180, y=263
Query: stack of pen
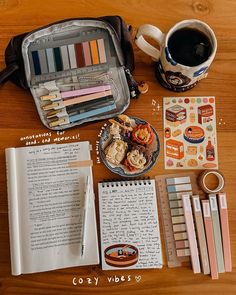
x=75, y=105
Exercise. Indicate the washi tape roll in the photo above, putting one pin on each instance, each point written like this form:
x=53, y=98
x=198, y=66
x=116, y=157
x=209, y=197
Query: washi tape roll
x=202, y=181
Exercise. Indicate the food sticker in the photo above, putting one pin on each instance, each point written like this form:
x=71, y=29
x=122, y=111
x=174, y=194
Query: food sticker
x=190, y=140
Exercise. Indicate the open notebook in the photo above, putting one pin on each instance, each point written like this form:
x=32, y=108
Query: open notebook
x=46, y=187
x=130, y=236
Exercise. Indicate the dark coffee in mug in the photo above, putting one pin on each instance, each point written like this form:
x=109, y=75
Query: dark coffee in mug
x=189, y=47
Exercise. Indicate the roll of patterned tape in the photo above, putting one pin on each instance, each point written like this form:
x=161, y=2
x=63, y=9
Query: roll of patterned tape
x=202, y=181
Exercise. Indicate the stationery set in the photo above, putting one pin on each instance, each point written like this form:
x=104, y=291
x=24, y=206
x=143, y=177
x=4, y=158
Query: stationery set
x=79, y=70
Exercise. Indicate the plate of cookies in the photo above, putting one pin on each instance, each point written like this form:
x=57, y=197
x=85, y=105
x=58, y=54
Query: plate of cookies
x=129, y=146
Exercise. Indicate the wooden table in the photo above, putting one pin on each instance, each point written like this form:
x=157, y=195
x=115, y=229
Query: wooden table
x=19, y=119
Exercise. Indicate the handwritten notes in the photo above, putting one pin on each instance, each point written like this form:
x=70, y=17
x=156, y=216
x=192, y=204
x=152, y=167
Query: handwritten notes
x=128, y=217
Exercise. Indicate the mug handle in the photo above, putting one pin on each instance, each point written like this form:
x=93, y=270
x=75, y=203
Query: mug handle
x=155, y=34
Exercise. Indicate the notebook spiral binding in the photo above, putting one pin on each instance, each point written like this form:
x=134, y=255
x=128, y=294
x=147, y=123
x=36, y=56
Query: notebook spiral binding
x=124, y=182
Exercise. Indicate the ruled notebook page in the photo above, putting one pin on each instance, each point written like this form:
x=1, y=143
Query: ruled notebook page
x=130, y=236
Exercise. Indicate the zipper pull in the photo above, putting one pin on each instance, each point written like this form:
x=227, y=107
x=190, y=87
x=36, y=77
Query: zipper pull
x=133, y=85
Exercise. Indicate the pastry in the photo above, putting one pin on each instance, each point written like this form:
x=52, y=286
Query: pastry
x=143, y=134
x=123, y=121
x=192, y=163
x=209, y=128
x=135, y=160
x=176, y=132
x=192, y=117
x=115, y=130
x=116, y=151
x=209, y=165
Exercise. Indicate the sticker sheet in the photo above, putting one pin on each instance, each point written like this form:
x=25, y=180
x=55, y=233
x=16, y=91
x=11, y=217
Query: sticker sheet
x=190, y=133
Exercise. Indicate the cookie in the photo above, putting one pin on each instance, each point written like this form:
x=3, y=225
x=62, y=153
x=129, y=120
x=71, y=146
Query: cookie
x=192, y=118
x=176, y=132
x=209, y=165
x=135, y=160
x=192, y=163
x=116, y=151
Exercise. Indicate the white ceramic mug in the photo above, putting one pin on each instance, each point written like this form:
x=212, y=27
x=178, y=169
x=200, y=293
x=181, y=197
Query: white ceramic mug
x=171, y=74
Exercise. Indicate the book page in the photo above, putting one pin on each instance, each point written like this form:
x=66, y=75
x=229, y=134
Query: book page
x=51, y=189
x=129, y=224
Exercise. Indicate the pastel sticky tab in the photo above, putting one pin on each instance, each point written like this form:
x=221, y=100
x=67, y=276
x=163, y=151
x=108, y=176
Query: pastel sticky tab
x=50, y=60
x=65, y=58
x=179, y=227
x=57, y=58
x=179, y=188
x=176, y=211
x=101, y=49
x=43, y=61
x=36, y=62
x=87, y=54
x=176, y=204
x=72, y=56
x=180, y=236
x=79, y=55
x=182, y=244
x=94, y=52
x=178, y=180
x=178, y=196
x=178, y=219
x=183, y=252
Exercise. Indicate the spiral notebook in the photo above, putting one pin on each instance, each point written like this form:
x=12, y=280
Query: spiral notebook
x=130, y=236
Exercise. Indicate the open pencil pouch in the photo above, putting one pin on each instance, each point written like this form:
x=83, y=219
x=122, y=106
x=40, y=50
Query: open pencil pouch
x=78, y=70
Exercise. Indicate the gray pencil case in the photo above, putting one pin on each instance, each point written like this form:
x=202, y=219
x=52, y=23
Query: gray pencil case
x=77, y=71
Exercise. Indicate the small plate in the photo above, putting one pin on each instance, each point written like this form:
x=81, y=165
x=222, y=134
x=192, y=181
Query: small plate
x=121, y=169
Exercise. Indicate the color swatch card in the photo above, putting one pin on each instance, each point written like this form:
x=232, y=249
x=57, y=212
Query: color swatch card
x=190, y=140
x=51, y=55
x=130, y=236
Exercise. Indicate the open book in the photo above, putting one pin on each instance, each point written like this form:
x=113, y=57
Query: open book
x=46, y=191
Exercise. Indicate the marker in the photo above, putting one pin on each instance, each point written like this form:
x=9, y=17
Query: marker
x=73, y=93
x=63, y=103
x=82, y=115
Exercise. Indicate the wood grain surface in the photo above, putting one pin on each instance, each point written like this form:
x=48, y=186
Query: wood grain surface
x=19, y=119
